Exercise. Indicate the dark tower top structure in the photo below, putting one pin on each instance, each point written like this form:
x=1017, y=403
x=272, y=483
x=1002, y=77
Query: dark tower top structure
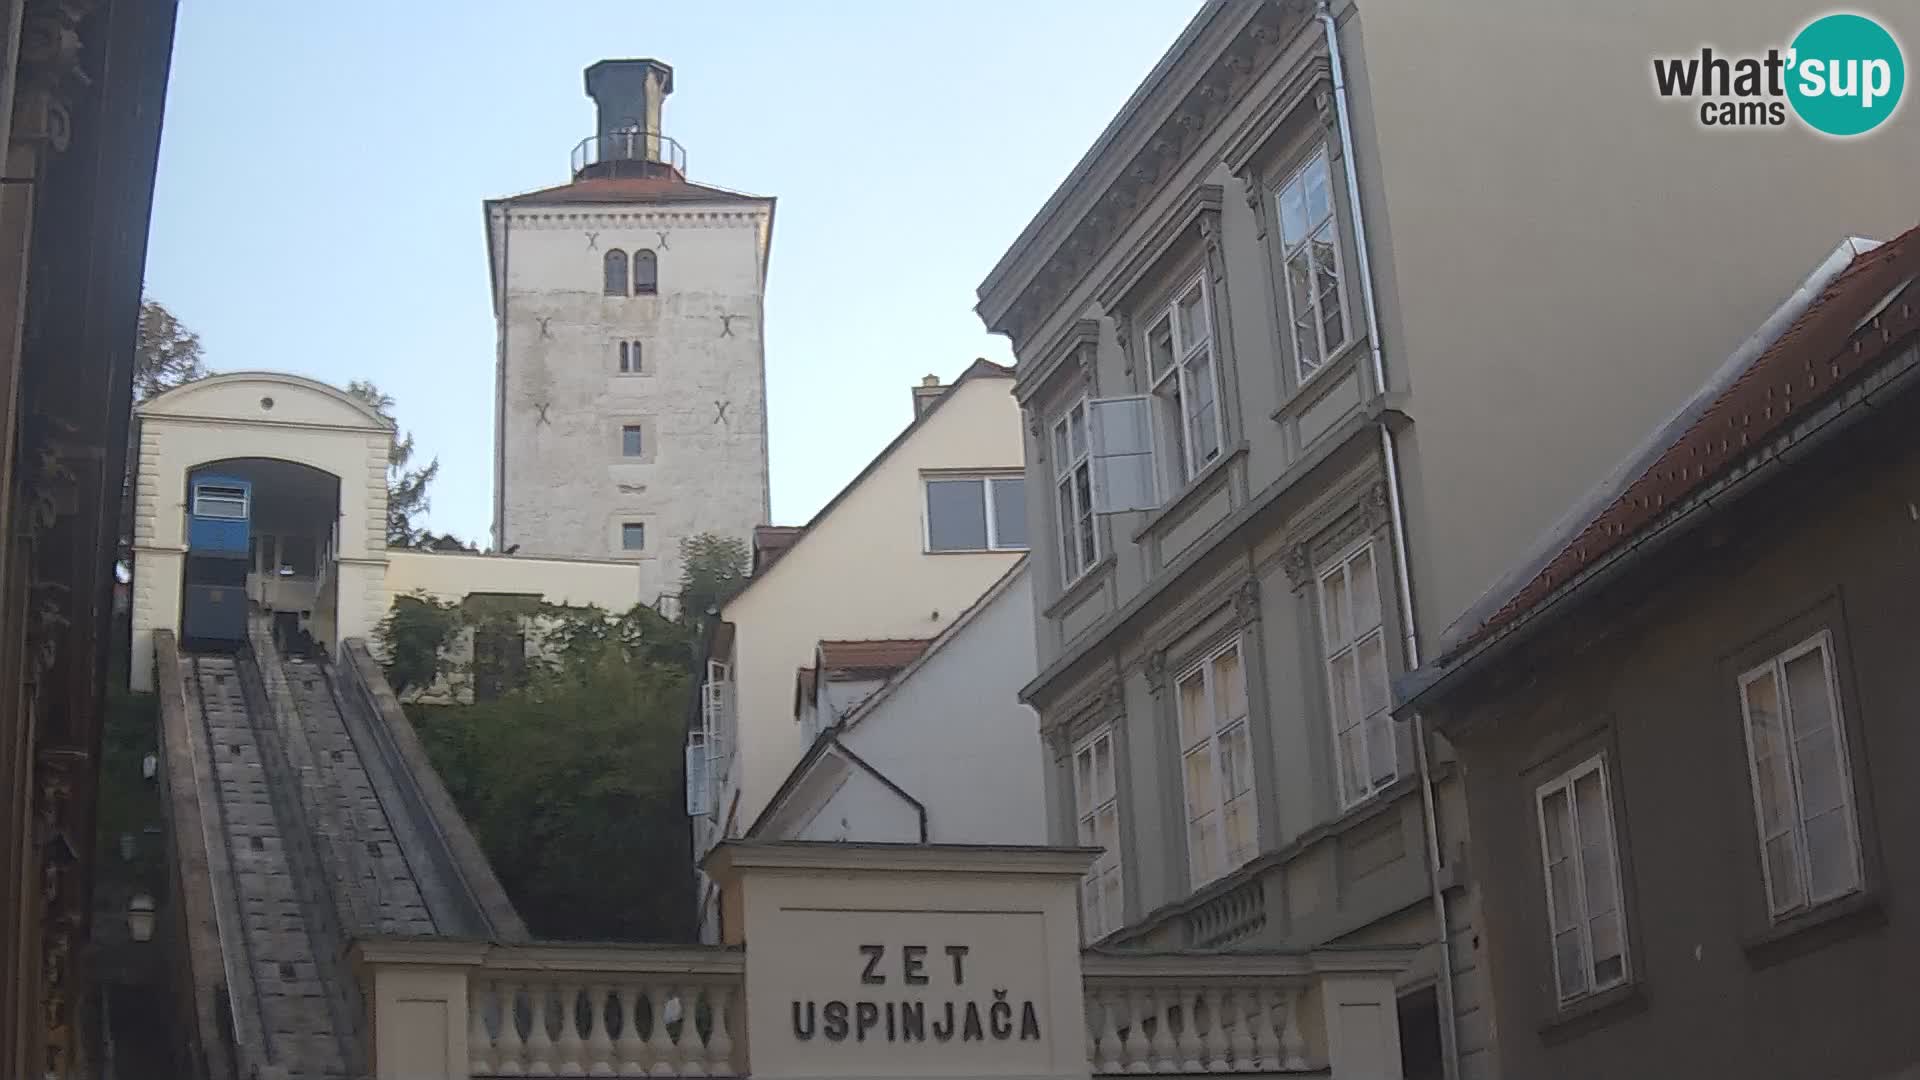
x=629, y=95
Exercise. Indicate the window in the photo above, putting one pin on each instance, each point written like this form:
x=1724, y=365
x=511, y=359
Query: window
x=1217, y=766
x=615, y=267
x=1802, y=785
x=633, y=536
x=632, y=444
x=1310, y=248
x=1180, y=362
x=220, y=501
x=1356, y=650
x=977, y=513
x=629, y=358
x=698, y=787
x=1096, y=806
x=714, y=735
x=646, y=273
x=1073, y=485
x=1584, y=914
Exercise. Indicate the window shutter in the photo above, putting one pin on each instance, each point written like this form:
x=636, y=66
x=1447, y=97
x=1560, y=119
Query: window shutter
x=1121, y=432
x=697, y=786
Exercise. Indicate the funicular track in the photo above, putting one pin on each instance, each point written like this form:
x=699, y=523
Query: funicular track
x=305, y=817
x=278, y=948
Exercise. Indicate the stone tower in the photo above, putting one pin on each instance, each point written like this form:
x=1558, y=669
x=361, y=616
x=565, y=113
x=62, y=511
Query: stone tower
x=630, y=396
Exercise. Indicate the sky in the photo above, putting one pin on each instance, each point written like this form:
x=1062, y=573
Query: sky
x=322, y=168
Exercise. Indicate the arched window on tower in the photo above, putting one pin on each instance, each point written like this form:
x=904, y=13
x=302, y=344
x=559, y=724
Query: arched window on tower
x=646, y=273
x=616, y=270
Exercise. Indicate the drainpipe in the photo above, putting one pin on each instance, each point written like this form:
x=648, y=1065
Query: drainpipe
x=1449, y=1030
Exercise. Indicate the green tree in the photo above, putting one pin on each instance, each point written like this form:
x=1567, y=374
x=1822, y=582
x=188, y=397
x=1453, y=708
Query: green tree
x=572, y=781
x=166, y=355
x=406, y=486
x=713, y=569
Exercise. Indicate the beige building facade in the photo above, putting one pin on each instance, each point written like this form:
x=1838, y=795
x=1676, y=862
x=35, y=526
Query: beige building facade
x=887, y=565
x=1338, y=313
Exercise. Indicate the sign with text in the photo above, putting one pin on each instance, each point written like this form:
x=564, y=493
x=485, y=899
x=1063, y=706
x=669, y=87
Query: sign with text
x=877, y=975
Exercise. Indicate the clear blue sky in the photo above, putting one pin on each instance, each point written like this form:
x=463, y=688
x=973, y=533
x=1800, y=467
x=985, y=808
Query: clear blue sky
x=323, y=165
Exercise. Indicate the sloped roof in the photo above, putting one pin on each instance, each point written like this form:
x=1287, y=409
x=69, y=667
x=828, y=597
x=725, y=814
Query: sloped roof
x=954, y=629
x=629, y=189
x=979, y=369
x=772, y=541
x=1827, y=345
x=882, y=654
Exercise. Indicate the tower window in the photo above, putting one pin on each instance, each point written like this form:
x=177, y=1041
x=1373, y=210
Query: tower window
x=633, y=536
x=646, y=273
x=630, y=358
x=615, y=265
x=631, y=444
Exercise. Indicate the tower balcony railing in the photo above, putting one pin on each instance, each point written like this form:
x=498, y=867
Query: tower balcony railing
x=645, y=147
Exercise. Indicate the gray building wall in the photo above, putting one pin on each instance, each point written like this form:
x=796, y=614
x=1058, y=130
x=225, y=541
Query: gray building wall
x=1556, y=253
x=1561, y=253
x=1649, y=677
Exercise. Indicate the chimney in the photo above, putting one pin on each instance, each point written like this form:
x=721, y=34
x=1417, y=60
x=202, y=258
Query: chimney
x=628, y=96
x=926, y=394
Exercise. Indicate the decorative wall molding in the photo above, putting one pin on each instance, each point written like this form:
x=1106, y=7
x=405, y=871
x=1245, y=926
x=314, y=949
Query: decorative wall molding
x=1246, y=602
x=1156, y=670
x=1161, y=153
x=1298, y=564
x=51, y=71
x=631, y=219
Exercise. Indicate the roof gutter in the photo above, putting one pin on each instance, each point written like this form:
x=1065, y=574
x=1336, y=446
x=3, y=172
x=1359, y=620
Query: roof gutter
x=1791, y=447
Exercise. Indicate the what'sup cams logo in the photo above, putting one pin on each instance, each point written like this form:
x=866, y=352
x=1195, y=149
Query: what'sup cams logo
x=1842, y=75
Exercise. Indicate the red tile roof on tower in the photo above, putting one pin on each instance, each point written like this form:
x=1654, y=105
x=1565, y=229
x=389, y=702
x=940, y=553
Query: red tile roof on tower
x=650, y=189
x=1848, y=329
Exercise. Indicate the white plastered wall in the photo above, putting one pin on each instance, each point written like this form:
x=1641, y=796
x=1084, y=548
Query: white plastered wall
x=256, y=415
x=564, y=485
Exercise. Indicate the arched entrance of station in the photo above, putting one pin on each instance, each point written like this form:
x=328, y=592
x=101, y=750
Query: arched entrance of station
x=290, y=566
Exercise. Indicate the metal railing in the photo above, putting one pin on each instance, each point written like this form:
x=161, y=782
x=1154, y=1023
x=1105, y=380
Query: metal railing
x=634, y=145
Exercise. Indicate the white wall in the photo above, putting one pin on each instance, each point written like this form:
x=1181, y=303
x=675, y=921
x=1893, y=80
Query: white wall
x=565, y=485
x=952, y=734
x=229, y=416
x=862, y=572
x=452, y=576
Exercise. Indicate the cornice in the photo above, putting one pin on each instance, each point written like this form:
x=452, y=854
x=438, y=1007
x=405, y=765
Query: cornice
x=1094, y=213
x=1198, y=210
x=1079, y=342
x=683, y=219
x=1277, y=110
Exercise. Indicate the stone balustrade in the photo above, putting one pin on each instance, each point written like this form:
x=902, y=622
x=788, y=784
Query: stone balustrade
x=555, y=1009
x=605, y=1023
x=1213, y=1012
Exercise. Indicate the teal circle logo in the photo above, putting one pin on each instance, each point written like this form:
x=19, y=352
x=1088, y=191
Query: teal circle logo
x=1846, y=74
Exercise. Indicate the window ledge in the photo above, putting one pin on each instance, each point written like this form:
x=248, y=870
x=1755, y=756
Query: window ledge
x=1082, y=587
x=1593, y=1012
x=1309, y=389
x=975, y=551
x=1831, y=922
x=1201, y=482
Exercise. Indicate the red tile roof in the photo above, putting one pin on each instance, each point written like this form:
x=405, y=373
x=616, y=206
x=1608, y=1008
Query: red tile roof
x=1825, y=348
x=637, y=189
x=772, y=541
x=889, y=654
